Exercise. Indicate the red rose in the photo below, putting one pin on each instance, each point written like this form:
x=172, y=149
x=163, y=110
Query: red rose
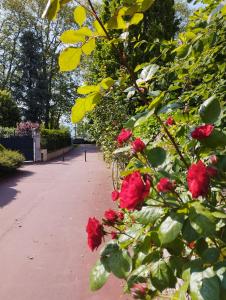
x=111, y=215
x=192, y=245
x=123, y=136
x=170, y=121
x=115, y=195
x=120, y=215
x=138, y=145
x=212, y=172
x=113, y=235
x=134, y=190
x=139, y=290
x=198, y=179
x=165, y=185
x=95, y=233
x=202, y=132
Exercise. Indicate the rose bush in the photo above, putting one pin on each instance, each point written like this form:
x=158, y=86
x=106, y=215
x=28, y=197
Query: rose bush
x=172, y=233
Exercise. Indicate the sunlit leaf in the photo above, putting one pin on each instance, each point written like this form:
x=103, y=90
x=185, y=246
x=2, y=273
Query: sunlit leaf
x=80, y=15
x=69, y=59
x=72, y=36
x=51, y=10
x=99, y=29
x=136, y=19
x=89, y=46
x=107, y=83
x=98, y=276
x=88, y=89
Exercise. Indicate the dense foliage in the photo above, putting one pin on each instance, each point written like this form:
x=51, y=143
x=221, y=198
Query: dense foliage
x=10, y=160
x=52, y=139
x=169, y=230
x=9, y=112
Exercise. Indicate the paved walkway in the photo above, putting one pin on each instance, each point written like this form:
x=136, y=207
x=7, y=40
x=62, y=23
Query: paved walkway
x=44, y=210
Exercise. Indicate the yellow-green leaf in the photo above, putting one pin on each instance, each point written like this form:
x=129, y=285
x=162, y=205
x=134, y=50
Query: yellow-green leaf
x=82, y=106
x=107, y=83
x=51, y=9
x=72, y=36
x=80, y=15
x=69, y=59
x=83, y=90
x=89, y=46
x=116, y=22
x=144, y=4
x=136, y=18
x=85, y=31
x=99, y=29
x=62, y=2
x=223, y=10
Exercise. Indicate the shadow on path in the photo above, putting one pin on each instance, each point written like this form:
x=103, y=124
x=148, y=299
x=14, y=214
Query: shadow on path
x=8, y=185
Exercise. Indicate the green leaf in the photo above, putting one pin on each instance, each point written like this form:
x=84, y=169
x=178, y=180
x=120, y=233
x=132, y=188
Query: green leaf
x=155, y=103
x=69, y=59
x=72, y=36
x=106, y=83
x=204, y=285
x=87, y=89
x=84, y=105
x=216, y=139
x=116, y=260
x=148, y=215
x=116, y=22
x=144, y=4
x=80, y=15
x=89, y=46
x=98, y=276
x=210, y=255
x=183, y=50
x=136, y=18
x=156, y=156
x=161, y=275
x=148, y=72
x=85, y=31
x=181, y=292
x=144, y=117
x=210, y=110
x=99, y=29
x=170, y=228
x=51, y=9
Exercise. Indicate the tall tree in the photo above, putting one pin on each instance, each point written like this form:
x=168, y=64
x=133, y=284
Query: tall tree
x=9, y=112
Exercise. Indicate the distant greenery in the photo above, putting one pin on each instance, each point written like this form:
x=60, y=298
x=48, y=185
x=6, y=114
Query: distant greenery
x=52, y=139
x=10, y=160
x=9, y=112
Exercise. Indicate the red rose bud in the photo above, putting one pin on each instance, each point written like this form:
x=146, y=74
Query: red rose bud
x=198, y=179
x=202, y=132
x=124, y=136
x=115, y=195
x=139, y=290
x=213, y=159
x=138, y=145
x=134, y=190
x=121, y=215
x=114, y=235
x=170, y=121
x=165, y=185
x=95, y=233
x=111, y=215
x=192, y=245
x=212, y=172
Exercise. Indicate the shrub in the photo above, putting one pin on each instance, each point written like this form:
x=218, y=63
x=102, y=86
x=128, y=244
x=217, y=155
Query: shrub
x=10, y=160
x=7, y=131
x=52, y=139
x=9, y=112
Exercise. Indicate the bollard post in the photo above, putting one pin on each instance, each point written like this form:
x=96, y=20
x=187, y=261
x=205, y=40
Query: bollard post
x=85, y=155
x=63, y=156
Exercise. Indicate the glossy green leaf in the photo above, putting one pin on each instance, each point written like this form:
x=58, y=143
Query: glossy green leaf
x=161, y=275
x=98, y=276
x=210, y=110
x=216, y=139
x=170, y=228
x=148, y=215
x=69, y=59
x=80, y=15
x=156, y=156
x=72, y=36
x=89, y=46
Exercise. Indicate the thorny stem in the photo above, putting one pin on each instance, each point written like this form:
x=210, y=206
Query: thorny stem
x=172, y=140
x=121, y=232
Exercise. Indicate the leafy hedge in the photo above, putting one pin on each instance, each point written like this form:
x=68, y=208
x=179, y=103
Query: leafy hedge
x=7, y=131
x=52, y=139
x=10, y=160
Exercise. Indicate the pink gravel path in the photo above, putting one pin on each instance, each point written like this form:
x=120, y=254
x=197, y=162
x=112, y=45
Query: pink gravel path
x=44, y=210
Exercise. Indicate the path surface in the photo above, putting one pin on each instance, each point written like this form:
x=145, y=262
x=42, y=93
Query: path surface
x=44, y=211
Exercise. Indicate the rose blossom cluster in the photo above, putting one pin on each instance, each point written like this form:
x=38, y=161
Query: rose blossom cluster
x=136, y=187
